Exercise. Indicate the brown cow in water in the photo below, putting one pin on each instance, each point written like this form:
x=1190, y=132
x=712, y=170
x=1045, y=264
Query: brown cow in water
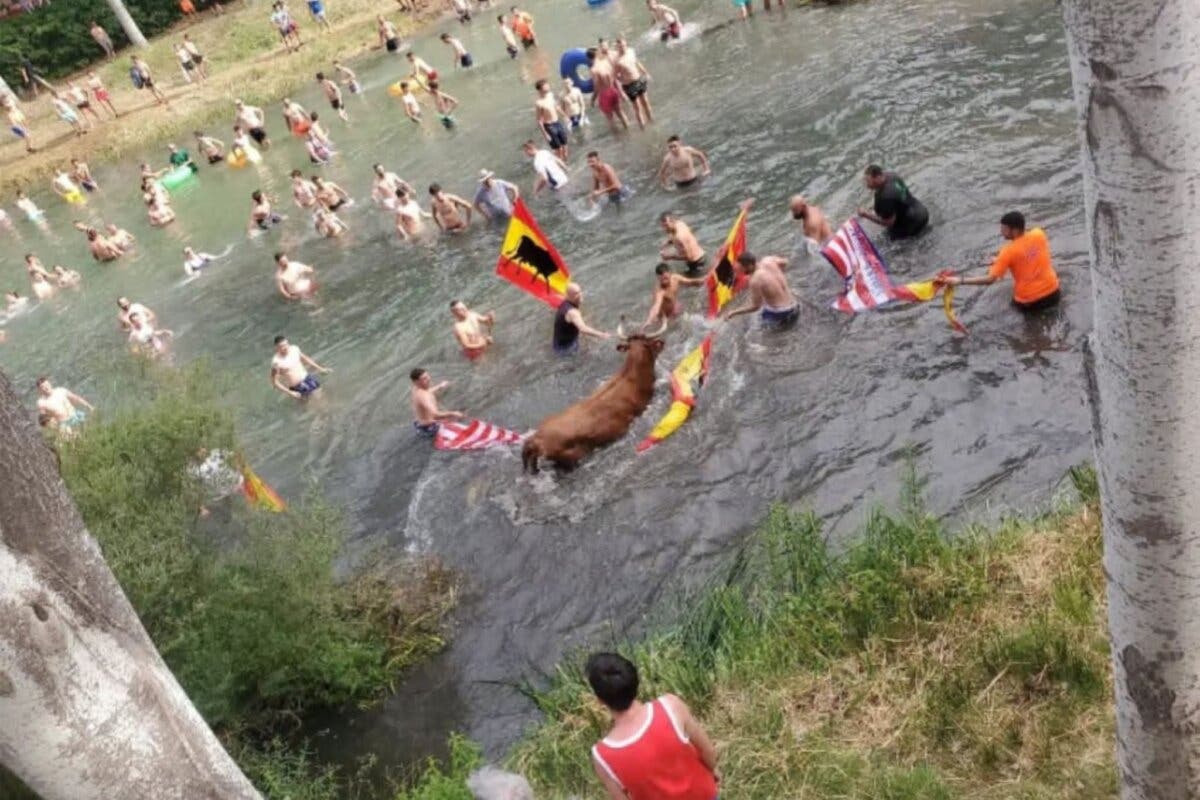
x=601, y=419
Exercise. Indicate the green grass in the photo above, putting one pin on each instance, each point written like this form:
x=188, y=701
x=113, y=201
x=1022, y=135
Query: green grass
x=912, y=665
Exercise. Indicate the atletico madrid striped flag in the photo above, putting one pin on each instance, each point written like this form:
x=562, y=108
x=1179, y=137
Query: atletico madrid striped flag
x=473, y=435
x=529, y=261
x=868, y=284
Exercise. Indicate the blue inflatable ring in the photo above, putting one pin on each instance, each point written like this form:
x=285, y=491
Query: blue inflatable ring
x=573, y=65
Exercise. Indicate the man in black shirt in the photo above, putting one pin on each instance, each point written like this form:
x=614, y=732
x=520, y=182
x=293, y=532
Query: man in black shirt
x=895, y=207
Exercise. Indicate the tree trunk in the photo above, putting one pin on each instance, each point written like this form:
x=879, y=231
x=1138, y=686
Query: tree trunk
x=1136, y=70
x=127, y=24
x=88, y=709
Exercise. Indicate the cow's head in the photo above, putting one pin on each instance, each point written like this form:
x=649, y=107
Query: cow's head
x=642, y=343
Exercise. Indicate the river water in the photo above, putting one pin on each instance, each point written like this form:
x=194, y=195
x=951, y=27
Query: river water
x=968, y=100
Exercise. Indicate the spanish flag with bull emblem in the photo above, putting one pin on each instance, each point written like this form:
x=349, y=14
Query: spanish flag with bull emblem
x=724, y=283
x=529, y=261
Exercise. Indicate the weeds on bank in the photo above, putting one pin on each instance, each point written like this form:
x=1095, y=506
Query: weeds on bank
x=909, y=666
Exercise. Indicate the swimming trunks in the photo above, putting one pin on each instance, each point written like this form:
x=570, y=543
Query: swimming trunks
x=392, y=45
x=307, y=386
x=556, y=135
x=76, y=418
x=354, y=86
x=101, y=95
x=779, y=317
x=338, y=204
x=695, y=266
x=473, y=353
x=576, y=121
x=447, y=121
x=741, y=3
x=429, y=429
x=467, y=61
x=19, y=132
x=609, y=100
x=83, y=104
x=528, y=43
x=88, y=185
x=512, y=51
x=266, y=222
x=258, y=134
x=432, y=75
x=337, y=104
x=635, y=89
x=188, y=65
x=687, y=183
x=673, y=30
x=215, y=159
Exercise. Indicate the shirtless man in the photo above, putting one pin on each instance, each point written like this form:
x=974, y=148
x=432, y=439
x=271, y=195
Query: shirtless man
x=330, y=195
x=328, y=224
x=252, y=120
x=445, y=208
x=545, y=110
x=510, y=39
x=100, y=246
x=194, y=261
x=409, y=216
x=572, y=104
x=389, y=37
x=333, y=93
x=304, y=192
x=14, y=303
x=290, y=370
x=145, y=339
x=472, y=329
x=212, y=149
x=666, y=294
x=17, y=122
x=605, y=181
x=159, y=212
x=769, y=291
x=427, y=414
x=679, y=164
x=82, y=174
x=39, y=283
x=295, y=281
x=147, y=78
x=294, y=115
x=127, y=309
x=412, y=106
x=461, y=57
x=348, y=76
x=262, y=217
x=383, y=189
x=668, y=19
x=816, y=227
x=422, y=73
x=444, y=103
x=633, y=77
x=681, y=244
x=58, y=403
x=607, y=93
x=100, y=92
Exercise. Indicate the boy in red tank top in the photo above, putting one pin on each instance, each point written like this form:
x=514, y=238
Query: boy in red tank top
x=654, y=751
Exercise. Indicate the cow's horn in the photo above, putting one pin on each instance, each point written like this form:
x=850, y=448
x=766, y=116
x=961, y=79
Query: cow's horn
x=661, y=330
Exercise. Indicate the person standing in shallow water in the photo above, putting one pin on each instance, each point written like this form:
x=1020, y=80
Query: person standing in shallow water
x=653, y=751
x=1027, y=258
x=896, y=209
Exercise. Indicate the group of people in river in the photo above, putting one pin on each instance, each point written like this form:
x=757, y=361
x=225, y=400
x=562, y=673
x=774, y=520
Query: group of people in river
x=621, y=84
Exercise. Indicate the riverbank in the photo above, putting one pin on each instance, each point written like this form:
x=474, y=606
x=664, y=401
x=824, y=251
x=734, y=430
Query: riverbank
x=912, y=666
x=245, y=60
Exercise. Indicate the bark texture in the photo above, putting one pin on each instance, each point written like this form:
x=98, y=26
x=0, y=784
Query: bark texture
x=127, y=24
x=1136, y=71
x=88, y=709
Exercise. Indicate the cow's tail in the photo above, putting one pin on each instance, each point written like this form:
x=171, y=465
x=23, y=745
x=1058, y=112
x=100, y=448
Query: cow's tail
x=530, y=453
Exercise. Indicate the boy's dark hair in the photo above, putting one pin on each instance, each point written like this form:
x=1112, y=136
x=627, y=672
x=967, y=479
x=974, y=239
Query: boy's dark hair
x=747, y=258
x=320, y=76
x=416, y=374
x=614, y=680
x=541, y=82
x=873, y=170
x=279, y=255
x=593, y=154
x=279, y=339
x=662, y=269
x=1014, y=220
x=434, y=188
x=672, y=138
x=453, y=303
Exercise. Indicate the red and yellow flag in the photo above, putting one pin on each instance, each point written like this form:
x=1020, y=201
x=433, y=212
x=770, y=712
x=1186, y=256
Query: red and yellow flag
x=529, y=261
x=724, y=283
x=258, y=493
x=727, y=279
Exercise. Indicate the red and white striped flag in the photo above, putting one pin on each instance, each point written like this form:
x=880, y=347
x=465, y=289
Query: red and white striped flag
x=473, y=435
x=868, y=284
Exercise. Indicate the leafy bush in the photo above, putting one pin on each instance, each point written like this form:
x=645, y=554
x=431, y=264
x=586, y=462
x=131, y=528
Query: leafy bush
x=246, y=612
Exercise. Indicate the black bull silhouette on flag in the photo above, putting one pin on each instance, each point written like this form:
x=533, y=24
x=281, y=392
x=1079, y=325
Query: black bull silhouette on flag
x=534, y=256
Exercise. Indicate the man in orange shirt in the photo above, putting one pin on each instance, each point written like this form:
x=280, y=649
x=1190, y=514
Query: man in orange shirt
x=1027, y=257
